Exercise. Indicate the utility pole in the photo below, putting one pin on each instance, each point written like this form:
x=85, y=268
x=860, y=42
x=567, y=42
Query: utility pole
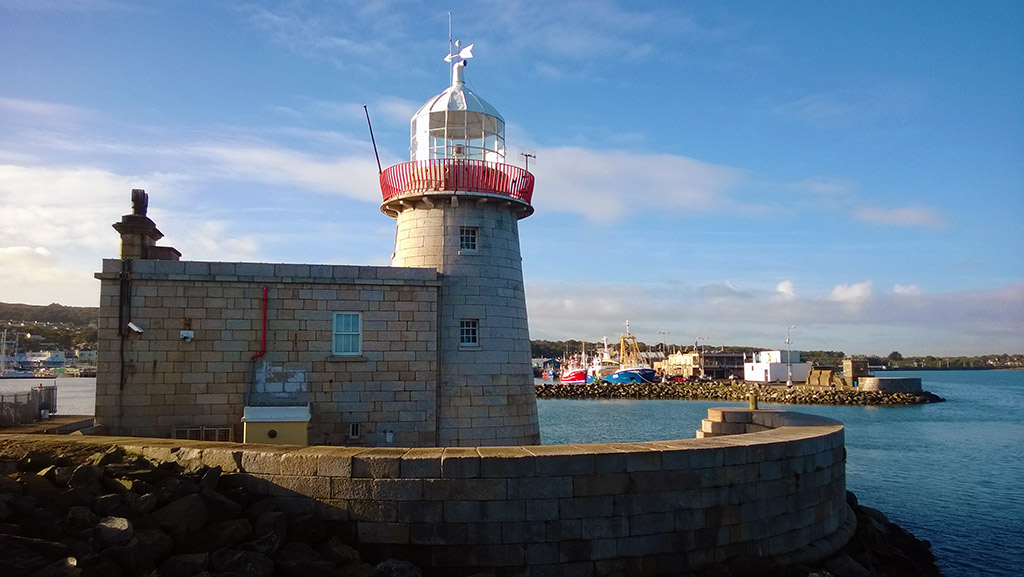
x=789, y=356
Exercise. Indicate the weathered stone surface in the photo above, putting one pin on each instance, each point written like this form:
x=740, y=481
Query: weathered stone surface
x=337, y=551
x=248, y=563
x=187, y=514
x=112, y=455
x=88, y=477
x=222, y=535
x=35, y=486
x=267, y=544
x=158, y=543
x=185, y=565
x=66, y=567
x=112, y=531
x=846, y=566
x=397, y=568
x=133, y=558
x=299, y=559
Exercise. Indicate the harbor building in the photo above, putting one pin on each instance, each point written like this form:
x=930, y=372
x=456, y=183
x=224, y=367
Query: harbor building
x=775, y=367
x=704, y=364
x=432, y=351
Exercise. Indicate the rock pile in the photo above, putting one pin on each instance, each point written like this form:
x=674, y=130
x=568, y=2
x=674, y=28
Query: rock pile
x=725, y=391
x=111, y=515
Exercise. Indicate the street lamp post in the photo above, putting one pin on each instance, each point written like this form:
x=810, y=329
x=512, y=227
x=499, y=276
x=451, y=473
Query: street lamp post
x=700, y=353
x=663, y=333
x=789, y=356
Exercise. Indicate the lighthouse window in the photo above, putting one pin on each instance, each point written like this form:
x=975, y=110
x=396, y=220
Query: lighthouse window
x=347, y=334
x=469, y=332
x=467, y=238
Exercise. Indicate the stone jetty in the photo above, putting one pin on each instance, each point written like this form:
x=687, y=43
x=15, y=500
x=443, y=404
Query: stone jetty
x=76, y=513
x=738, y=391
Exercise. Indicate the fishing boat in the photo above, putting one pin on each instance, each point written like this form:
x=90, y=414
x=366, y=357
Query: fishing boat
x=574, y=369
x=8, y=369
x=633, y=368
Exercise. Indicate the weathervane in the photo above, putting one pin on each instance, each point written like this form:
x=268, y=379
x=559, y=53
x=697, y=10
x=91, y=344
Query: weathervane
x=456, y=53
x=462, y=54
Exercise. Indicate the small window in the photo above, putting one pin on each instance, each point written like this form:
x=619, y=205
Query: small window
x=467, y=237
x=347, y=334
x=469, y=333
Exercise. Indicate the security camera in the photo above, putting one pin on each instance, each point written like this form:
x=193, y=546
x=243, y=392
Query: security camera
x=135, y=328
x=187, y=336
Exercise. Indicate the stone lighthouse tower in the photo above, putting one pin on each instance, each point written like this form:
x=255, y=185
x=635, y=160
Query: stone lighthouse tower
x=457, y=206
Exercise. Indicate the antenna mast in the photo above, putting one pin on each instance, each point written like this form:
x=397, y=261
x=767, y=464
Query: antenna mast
x=379, y=169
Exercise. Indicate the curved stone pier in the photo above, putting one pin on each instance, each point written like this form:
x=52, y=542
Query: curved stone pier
x=652, y=508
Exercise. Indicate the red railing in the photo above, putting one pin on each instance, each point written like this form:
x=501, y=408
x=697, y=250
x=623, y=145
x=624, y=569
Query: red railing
x=453, y=175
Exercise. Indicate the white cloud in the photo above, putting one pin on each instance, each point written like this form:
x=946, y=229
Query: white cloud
x=354, y=178
x=212, y=240
x=850, y=318
x=48, y=111
x=907, y=290
x=786, y=290
x=851, y=296
x=63, y=209
x=914, y=216
x=609, y=185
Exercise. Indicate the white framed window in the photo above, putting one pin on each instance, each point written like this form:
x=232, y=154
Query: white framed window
x=347, y=334
x=467, y=237
x=469, y=333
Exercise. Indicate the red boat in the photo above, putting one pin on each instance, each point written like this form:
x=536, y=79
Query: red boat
x=574, y=376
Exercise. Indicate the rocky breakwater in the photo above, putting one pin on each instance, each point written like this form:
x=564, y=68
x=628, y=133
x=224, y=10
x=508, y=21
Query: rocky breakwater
x=110, y=515
x=726, y=391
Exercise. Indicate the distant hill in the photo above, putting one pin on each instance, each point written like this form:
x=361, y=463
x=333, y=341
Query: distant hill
x=52, y=313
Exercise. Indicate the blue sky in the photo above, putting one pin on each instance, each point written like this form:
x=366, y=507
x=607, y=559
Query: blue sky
x=704, y=169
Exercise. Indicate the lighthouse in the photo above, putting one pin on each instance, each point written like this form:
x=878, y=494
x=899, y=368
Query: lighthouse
x=457, y=206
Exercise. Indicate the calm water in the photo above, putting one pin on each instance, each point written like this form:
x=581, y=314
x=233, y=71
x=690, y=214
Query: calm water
x=951, y=473
x=75, y=396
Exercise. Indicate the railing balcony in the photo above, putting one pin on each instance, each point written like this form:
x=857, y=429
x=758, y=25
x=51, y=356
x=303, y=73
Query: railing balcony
x=448, y=175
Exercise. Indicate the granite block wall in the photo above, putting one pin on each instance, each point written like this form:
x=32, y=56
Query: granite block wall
x=486, y=394
x=153, y=383
x=636, y=509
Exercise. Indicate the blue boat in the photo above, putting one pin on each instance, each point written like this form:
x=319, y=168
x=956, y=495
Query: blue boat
x=638, y=375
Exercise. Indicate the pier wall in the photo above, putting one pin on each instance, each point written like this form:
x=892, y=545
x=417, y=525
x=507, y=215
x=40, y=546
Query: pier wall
x=890, y=384
x=637, y=509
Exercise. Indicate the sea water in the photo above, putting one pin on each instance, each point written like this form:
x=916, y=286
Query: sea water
x=951, y=473
x=75, y=395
